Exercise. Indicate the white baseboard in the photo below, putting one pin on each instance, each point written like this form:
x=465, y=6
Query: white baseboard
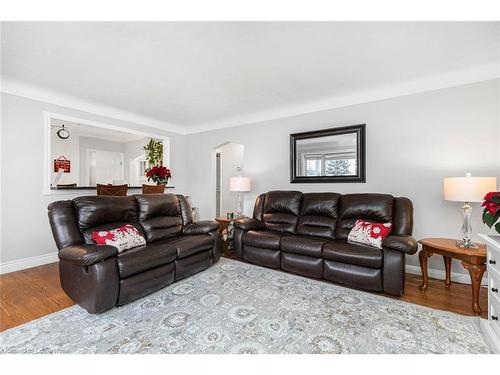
x=21, y=264
x=441, y=275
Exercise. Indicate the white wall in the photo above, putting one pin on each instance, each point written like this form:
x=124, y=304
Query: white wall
x=69, y=149
x=25, y=228
x=412, y=143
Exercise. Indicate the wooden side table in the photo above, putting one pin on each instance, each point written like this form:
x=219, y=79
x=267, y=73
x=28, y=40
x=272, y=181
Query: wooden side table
x=473, y=260
x=226, y=230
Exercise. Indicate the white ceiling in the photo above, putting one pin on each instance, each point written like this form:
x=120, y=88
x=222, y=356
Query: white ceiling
x=199, y=75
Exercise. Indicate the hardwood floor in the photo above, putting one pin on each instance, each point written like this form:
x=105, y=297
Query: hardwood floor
x=35, y=292
x=30, y=294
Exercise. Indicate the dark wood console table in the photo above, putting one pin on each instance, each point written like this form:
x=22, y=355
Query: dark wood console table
x=226, y=230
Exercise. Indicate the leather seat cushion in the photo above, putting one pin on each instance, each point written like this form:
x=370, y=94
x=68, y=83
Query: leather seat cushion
x=188, y=245
x=142, y=258
x=356, y=254
x=310, y=246
x=263, y=239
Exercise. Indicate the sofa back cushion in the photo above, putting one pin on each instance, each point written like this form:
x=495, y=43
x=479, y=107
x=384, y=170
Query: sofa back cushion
x=318, y=215
x=160, y=215
x=281, y=210
x=104, y=213
x=370, y=207
x=258, y=209
x=402, y=216
x=186, y=211
x=62, y=219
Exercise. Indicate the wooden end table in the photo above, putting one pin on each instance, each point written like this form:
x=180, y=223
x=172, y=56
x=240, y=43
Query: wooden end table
x=226, y=231
x=473, y=260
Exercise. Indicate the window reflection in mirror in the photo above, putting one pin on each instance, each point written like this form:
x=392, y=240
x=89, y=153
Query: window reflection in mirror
x=327, y=156
x=91, y=155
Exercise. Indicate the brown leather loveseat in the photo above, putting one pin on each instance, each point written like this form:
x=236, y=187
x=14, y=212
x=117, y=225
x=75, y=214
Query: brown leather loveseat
x=97, y=277
x=307, y=234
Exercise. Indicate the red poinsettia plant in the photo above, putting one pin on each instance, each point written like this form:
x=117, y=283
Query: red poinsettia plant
x=159, y=174
x=491, y=212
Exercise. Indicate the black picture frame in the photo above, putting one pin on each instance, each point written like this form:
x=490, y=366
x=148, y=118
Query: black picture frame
x=359, y=130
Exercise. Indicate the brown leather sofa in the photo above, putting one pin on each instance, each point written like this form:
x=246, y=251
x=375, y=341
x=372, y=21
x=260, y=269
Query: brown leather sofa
x=306, y=234
x=98, y=277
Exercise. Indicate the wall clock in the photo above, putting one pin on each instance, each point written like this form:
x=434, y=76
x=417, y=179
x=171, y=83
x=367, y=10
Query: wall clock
x=63, y=133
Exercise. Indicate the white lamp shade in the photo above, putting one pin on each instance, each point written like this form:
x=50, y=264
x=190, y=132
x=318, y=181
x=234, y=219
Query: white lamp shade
x=468, y=189
x=240, y=184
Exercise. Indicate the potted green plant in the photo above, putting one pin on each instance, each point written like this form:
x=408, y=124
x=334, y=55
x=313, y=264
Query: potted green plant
x=154, y=157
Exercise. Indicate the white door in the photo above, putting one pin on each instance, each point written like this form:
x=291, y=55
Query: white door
x=104, y=167
x=138, y=168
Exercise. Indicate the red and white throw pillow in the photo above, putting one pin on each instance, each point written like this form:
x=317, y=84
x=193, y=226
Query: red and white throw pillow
x=123, y=238
x=369, y=233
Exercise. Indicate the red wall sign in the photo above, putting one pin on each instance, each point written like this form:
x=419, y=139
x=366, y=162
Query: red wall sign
x=62, y=163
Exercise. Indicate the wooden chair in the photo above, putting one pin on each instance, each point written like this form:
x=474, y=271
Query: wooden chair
x=153, y=189
x=114, y=190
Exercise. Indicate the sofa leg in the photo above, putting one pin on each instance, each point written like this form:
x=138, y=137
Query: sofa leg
x=393, y=273
x=95, y=287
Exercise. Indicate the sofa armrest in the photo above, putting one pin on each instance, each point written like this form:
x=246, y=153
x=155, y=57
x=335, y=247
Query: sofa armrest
x=86, y=255
x=201, y=227
x=404, y=243
x=249, y=224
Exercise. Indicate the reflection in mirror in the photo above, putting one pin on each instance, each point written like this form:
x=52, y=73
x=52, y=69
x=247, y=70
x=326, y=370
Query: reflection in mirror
x=84, y=156
x=334, y=155
x=328, y=155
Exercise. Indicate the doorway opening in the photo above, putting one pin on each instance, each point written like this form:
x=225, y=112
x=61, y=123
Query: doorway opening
x=104, y=167
x=229, y=159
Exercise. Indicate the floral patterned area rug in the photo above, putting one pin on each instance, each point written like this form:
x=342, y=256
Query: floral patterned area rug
x=235, y=307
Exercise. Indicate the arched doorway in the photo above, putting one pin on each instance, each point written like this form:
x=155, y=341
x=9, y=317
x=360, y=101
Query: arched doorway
x=229, y=158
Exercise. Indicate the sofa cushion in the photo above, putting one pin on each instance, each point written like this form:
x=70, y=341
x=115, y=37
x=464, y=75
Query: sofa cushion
x=356, y=254
x=302, y=265
x=123, y=238
x=159, y=215
x=187, y=245
x=62, y=218
x=142, y=258
x=318, y=215
x=369, y=207
x=311, y=246
x=263, y=239
x=281, y=210
x=87, y=233
x=93, y=211
x=368, y=233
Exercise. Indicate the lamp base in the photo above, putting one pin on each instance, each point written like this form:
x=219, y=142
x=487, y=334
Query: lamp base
x=467, y=245
x=239, y=212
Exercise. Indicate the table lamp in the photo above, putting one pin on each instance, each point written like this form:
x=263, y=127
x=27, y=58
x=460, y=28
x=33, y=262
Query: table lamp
x=240, y=185
x=467, y=189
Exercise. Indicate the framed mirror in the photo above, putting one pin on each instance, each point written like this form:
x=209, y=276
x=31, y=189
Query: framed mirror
x=329, y=155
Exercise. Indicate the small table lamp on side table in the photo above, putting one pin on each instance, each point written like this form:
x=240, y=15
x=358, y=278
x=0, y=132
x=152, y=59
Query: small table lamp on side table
x=467, y=189
x=240, y=185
